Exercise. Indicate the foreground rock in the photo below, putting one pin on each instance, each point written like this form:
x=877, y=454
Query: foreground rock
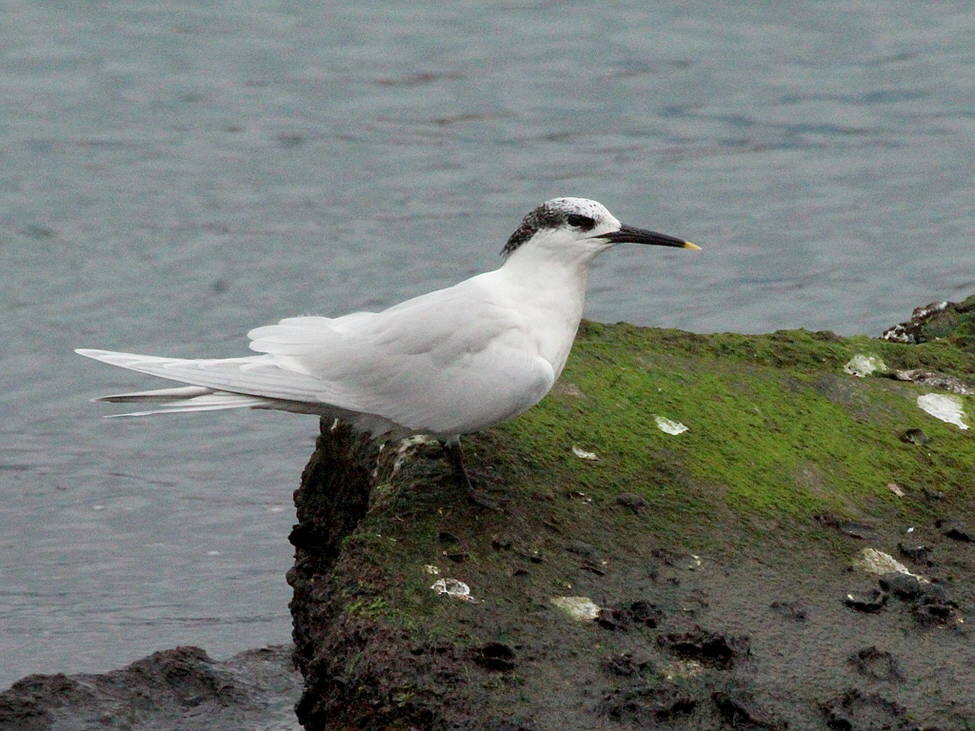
x=174, y=689
x=638, y=576
x=954, y=321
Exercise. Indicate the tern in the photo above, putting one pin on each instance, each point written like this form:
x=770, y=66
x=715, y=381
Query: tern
x=444, y=364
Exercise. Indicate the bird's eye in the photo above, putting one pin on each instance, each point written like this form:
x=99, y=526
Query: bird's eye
x=583, y=222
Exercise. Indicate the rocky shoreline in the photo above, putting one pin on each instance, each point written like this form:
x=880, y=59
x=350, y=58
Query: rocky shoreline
x=842, y=624
x=784, y=541
x=798, y=557
x=182, y=688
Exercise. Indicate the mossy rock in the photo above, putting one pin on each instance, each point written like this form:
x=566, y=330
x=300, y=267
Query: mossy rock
x=953, y=322
x=719, y=556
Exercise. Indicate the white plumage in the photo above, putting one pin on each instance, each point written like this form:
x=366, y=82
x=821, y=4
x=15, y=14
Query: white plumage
x=445, y=363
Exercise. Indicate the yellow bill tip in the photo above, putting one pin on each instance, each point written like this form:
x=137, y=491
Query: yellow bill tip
x=692, y=247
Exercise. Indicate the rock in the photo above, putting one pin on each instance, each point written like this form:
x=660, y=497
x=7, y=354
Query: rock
x=612, y=619
x=639, y=613
x=669, y=426
x=954, y=321
x=380, y=650
x=876, y=664
x=902, y=586
x=708, y=648
x=932, y=495
x=915, y=552
x=915, y=436
x=495, y=656
x=956, y=530
x=645, y=613
x=181, y=688
x=934, y=592
x=584, y=454
x=739, y=709
x=930, y=612
x=862, y=365
x=453, y=588
x=645, y=705
x=854, y=710
x=932, y=379
x=896, y=489
x=580, y=608
x=950, y=409
x=872, y=600
x=933, y=606
x=877, y=562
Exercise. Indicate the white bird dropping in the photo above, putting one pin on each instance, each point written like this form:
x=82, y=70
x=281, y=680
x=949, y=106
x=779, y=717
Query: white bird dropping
x=669, y=426
x=944, y=407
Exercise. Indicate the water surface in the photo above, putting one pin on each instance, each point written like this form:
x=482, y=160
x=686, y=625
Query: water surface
x=176, y=173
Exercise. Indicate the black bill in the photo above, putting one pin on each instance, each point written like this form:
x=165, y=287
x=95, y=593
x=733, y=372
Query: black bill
x=634, y=235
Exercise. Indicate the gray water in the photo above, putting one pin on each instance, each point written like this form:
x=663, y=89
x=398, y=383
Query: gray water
x=174, y=173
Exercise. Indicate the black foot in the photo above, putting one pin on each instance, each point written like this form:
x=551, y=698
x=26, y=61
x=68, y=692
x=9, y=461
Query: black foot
x=477, y=496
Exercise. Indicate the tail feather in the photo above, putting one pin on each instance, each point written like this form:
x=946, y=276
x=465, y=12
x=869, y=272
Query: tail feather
x=183, y=399
x=257, y=376
x=211, y=401
x=257, y=382
x=160, y=394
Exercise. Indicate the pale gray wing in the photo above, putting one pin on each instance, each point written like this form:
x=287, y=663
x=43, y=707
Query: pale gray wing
x=252, y=376
x=451, y=361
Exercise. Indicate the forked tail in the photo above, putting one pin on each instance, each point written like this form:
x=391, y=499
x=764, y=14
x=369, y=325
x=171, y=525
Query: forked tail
x=181, y=399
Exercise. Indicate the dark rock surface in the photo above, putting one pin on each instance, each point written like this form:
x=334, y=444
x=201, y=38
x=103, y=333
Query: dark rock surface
x=902, y=586
x=181, y=688
x=876, y=664
x=738, y=709
x=734, y=637
x=872, y=600
x=940, y=381
x=855, y=709
x=956, y=529
x=707, y=648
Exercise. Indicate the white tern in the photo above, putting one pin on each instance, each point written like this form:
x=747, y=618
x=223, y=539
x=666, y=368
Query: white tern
x=446, y=363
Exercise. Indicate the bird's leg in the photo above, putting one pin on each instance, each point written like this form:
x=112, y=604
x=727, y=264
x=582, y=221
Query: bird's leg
x=455, y=454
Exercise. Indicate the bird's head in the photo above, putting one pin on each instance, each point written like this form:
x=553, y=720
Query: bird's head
x=579, y=228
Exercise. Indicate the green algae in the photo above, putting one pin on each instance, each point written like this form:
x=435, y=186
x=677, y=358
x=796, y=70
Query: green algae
x=774, y=424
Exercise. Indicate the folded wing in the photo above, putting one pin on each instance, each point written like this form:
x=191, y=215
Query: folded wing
x=449, y=362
